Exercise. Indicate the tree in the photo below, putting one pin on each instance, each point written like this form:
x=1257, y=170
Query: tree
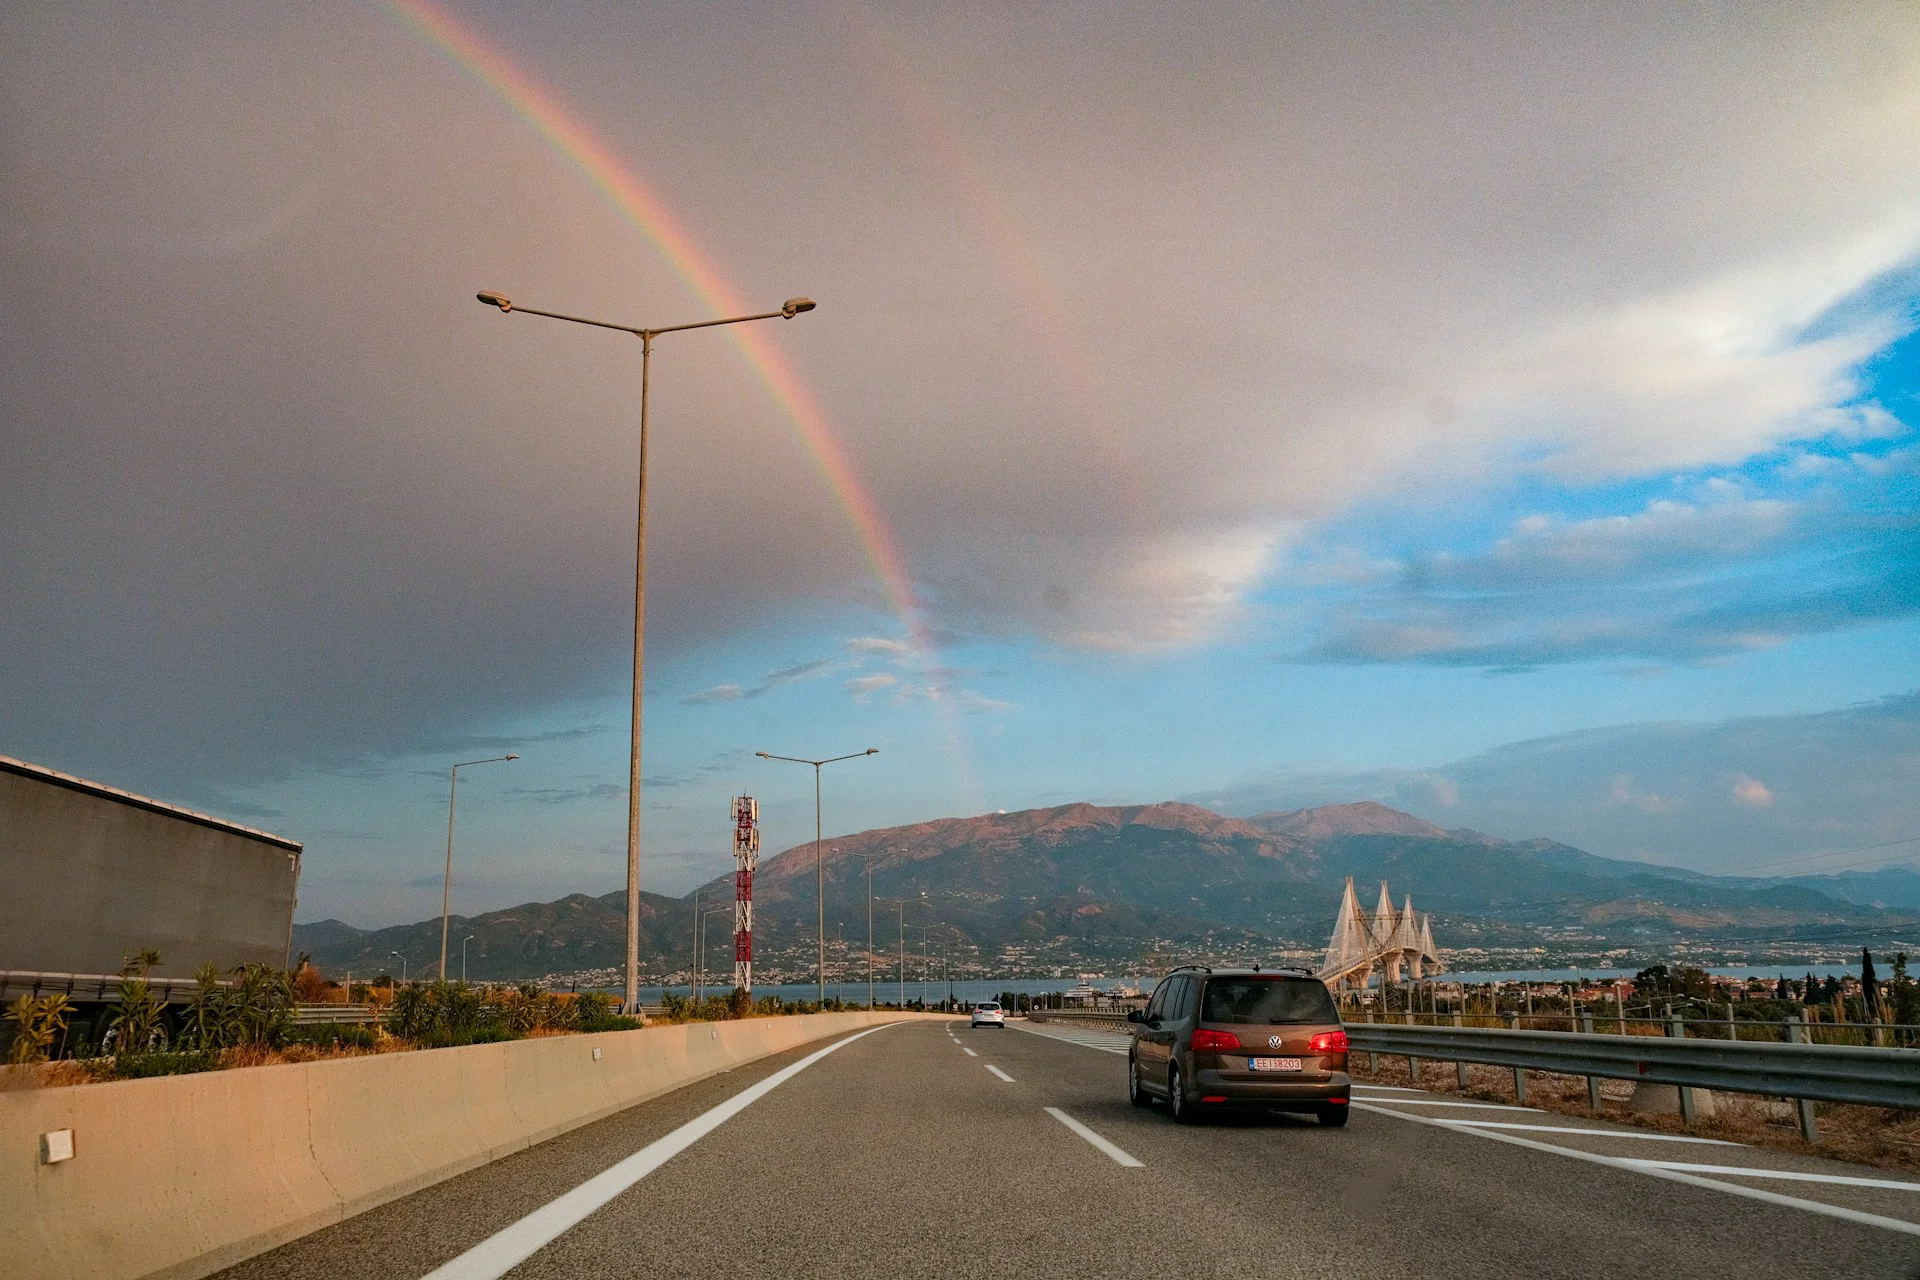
x=1869, y=986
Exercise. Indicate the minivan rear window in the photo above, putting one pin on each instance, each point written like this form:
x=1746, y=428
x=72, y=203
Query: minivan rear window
x=1267, y=1000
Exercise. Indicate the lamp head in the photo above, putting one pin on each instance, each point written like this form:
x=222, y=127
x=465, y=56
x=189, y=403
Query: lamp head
x=790, y=308
x=763, y=755
x=499, y=300
x=873, y=751
x=511, y=756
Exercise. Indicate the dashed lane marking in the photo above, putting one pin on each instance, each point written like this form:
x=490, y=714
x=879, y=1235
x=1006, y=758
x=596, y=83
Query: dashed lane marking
x=1099, y=1143
x=997, y=1071
x=1653, y=1169
x=970, y=1053
x=507, y=1249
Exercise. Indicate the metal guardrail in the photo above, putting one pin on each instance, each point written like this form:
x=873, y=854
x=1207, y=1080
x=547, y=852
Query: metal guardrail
x=326, y=1015
x=1821, y=1072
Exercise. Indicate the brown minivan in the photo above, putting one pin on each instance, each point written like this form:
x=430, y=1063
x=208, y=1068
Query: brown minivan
x=1213, y=1039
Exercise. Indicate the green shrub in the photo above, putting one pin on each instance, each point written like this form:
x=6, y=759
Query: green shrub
x=347, y=1035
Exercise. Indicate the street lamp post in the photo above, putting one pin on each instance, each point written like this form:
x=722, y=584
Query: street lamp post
x=788, y=310
x=819, y=880
x=463, y=955
x=869, y=860
x=403, y=967
x=446, y=886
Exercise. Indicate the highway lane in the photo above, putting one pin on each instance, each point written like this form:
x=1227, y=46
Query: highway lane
x=901, y=1155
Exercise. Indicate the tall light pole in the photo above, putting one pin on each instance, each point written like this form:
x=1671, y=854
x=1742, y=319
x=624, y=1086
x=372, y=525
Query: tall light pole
x=869, y=860
x=463, y=955
x=446, y=886
x=788, y=310
x=819, y=881
x=403, y=967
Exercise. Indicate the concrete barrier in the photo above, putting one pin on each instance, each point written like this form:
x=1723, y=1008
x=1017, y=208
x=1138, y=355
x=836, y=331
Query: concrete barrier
x=176, y=1177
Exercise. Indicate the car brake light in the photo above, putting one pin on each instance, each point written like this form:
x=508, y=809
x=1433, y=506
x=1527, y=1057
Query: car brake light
x=1328, y=1042
x=1205, y=1039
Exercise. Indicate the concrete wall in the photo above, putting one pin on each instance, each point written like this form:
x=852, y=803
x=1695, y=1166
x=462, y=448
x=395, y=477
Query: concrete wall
x=179, y=1176
x=86, y=876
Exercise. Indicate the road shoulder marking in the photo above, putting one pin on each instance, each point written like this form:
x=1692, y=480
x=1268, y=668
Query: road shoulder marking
x=1099, y=1143
x=997, y=1071
x=1788, y=1175
x=509, y=1247
x=1651, y=1169
x=1594, y=1133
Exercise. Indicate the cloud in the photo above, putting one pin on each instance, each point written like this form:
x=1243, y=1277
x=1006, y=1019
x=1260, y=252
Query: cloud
x=861, y=686
x=325, y=508
x=1675, y=581
x=762, y=687
x=880, y=646
x=1853, y=772
x=1751, y=792
x=719, y=693
x=570, y=795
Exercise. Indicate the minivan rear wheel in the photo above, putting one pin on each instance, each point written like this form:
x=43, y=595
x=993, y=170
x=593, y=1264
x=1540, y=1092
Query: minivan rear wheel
x=1183, y=1112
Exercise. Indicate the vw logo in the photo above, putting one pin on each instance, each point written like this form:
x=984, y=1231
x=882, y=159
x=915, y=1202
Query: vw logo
x=1273, y=1042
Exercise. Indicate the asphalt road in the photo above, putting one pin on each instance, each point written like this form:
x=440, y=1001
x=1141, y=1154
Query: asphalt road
x=900, y=1154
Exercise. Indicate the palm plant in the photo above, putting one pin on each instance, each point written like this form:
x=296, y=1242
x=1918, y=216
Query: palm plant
x=137, y=1023
x=265, y=998
x=36, y=1024
x=213, y=1015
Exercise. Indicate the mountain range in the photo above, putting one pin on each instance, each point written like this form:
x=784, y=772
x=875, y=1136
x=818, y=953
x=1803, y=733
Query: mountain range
x=1083, y=884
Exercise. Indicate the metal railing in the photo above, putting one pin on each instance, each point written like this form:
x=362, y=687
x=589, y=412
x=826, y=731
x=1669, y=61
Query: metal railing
x=325, y=1015
x=1813, y=1030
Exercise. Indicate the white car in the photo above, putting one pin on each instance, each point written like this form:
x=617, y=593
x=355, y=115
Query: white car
x=989, y=1014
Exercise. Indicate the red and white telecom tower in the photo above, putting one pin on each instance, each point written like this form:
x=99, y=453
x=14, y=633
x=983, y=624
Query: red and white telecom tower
x=746, y=855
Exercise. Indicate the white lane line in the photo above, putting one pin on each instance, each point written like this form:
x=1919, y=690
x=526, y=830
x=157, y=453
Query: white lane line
x=1435, y=1102
x=997, y=1071
x=1652, y=1170
x=507, y=1249
x=1114, y=1153
x=970, y=1053
x=1083, y=1039
x=1786, y=1174
x=1595, y=1133
x=1388, y=1088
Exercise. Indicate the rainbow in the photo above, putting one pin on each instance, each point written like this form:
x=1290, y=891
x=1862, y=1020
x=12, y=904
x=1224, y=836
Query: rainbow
x=627, y=195
x=608, y=174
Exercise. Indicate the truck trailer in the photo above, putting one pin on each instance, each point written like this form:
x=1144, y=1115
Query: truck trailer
x=90, y=874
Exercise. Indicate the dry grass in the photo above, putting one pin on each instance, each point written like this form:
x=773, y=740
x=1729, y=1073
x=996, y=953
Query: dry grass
x=1879, y=1136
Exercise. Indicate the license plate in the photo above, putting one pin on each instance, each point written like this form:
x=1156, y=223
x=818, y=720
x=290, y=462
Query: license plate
x=1273, y=1064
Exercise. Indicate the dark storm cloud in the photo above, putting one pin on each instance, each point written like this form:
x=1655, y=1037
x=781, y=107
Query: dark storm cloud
x=1112, y=308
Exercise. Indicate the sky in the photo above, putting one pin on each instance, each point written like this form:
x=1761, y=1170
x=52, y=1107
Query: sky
x=1505, y=413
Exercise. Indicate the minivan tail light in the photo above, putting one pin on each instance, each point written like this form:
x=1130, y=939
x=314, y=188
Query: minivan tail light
x=1204, y=1039
x=1328, y=1042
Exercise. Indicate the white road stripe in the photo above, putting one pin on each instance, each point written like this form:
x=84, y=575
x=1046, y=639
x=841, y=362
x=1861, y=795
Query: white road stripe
x=1114, y=1153
x=970, y=1053
x=1436, y=1102
x=1595, y=1133
x=997, y=1071
x=1785, y=1174
x=1652, y=1169
x=507, y=1249
x=1387, y=1088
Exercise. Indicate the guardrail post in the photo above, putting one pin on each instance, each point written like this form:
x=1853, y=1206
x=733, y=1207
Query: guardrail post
x=1519, y=1073
x=1809, y=1123
x=1373, y=1059
x=1677, y=1029
x=1593, y=1082
x=1460, y=1068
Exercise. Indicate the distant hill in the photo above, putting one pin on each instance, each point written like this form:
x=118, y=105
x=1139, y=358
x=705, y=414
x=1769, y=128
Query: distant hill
x=1081, y=882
